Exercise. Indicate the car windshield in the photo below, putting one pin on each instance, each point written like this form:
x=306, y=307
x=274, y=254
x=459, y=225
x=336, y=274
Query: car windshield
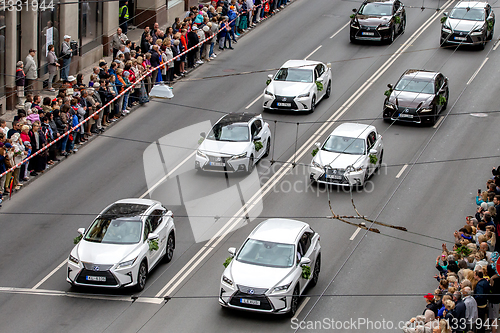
x=294, y=75
x=376, y=9
x=269, y=254
x=229, y=132
x=416, y=86
x=472, y=14
x=114, y=231
x=346, y=145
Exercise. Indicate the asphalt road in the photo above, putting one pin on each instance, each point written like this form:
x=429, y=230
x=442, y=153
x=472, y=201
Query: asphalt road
x=364, y=276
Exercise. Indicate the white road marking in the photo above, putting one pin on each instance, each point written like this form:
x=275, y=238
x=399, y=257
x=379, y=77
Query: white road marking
x=480, y=67
x=301, y=307
x=338, y=31
x=355, y=234
x=254, y=101
x=438, y=122
x=167, y=175
x=496, y=45
x=49, y=275
x=310, y=54
x=402, y=170
x=276, y=177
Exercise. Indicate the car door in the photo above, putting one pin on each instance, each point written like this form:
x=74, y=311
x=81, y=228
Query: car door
x=490, y=16
x=397, y=10
x=304, y=249
x=440, y=89
x=371, y=143
x=256, y=130
x=159, y=226
x=150, y=224
x=320, y=73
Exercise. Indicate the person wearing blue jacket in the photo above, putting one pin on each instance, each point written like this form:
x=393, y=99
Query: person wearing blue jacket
x=231, y=14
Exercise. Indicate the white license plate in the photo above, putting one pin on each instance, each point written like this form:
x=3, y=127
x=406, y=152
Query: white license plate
x=368, y=33
x=404, y=115
x=218, y=164
x=249, y=301
x=96, y=278
x=285, y=104
x=337, y=177
x=460, y=38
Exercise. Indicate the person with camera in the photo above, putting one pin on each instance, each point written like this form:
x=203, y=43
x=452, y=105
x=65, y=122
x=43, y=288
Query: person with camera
x=66, y=55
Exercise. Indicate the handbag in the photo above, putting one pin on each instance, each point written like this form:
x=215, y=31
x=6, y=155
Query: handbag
x=96, y=116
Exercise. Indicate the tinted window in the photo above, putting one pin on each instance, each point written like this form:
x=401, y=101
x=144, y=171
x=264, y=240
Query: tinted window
x=304, y=243
x=294, y=75
x=256, y=127
x=376, y=9
x=372, y=137
x=109, y=231
x=415, y=85
x=269, y=254
x=229, y=132
x=155, y=219
x=346, y=145
x=472, y=14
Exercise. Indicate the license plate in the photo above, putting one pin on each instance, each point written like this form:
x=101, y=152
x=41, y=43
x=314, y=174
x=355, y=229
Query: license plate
x=96, y=278
x=404, y=115
x=218, y=164
x=368, y=33
x=460, y=38
x=285, y=104
x=337, y=177
x=249, y=301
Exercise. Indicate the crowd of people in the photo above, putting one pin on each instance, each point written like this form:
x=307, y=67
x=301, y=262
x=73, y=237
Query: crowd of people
x=40, y=121
x=468, y=295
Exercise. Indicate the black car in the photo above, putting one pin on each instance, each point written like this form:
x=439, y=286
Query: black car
x=418, y=96
x=378, y=20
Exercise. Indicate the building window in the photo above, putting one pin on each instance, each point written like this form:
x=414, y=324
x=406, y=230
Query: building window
x=48, y=21
x=90, y=25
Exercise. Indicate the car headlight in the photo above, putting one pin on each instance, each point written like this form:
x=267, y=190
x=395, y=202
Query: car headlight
x=384, y=26
x=390, y=105
x=304, y=95
x=351, y=168
x=425, y=110
x=74, y=260
x=477, y=32
x=126, y=263
x=242, y=155
x=354, y=25
x=317, y=165
x=201, y=154
x=227, y=280
x=269, y=93
x=446, y=29
x=283, y=287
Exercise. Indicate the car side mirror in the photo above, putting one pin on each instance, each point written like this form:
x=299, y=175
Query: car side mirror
x=81, y=231
x=373, y=151
x=256, y=138
x=202, y=134
x=445, y=14
x=318, y=144
x=389, y=86
x=320, y=80
x=232, y=251
x=354, y=10
x=270, y=76
x=329, y=65
x=153, y=236
x=304, y=261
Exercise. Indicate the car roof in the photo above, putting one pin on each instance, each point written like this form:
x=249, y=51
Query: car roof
x=232, y=118
x=471, y=4
x=381, y=1
x=308, y=64
x=353, y=130
x=127, y=208
x=283, y=231
x=420, y=74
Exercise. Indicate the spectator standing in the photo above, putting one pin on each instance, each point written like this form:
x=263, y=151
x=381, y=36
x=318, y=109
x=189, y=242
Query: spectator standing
x=231, y=14
x=118, y=39
x=155, y=62
x=144, y=39
x=66, y=55
x=225, y=26
x=30, y=68
x=3, y=127
x=20, y=82
x=481, y=293
x=471, y=313
x=124, y=16
x=52, y=64
x=192, y=39
x=37, y=140
x=169, y=55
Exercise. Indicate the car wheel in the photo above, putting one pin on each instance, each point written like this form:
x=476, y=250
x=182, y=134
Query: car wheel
x=313, y=104
x=380, y=161
x=435, y=117
x=268, y=147
x=328, y=89
x=295, y=302
x=393, y=36
x=491, y=33
x=250, y=164
x=142, y=276
x=169, y=254
x=403, y=26
x=317, y=269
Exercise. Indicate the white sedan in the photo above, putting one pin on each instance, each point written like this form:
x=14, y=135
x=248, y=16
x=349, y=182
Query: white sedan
x=235, y=143
x=273, y=267
x=125, y=242
x=349, y=156
x=298, y=86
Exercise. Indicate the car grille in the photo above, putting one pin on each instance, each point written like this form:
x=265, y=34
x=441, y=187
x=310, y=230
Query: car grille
x=217, y=159
x=368, y=29
x=95, y=267
x=252, y=291
x=110, y=279
x=334, y=172
x=284, y=99
x=460, y=34
x=402, y=111
x=264, y=301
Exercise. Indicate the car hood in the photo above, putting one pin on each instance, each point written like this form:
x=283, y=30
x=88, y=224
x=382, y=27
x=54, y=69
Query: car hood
x=224, y=148
x=105, y=254
x=289, y=89
x=464, y=25
x=257, y=276
x=408, y=99
x=372, y=21
x=336, y=160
